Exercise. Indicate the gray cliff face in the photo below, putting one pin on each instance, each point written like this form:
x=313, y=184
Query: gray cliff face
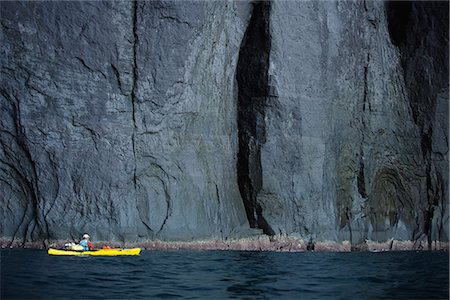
x=180, y=120
x=119, y=119
x=356, y=131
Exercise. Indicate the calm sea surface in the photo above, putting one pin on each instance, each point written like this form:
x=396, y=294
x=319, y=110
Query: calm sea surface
x=32, y=274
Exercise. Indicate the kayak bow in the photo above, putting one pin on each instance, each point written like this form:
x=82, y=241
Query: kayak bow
x=99, y=252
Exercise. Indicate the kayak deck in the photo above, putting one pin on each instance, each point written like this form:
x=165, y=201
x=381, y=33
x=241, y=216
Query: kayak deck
x=99, y=252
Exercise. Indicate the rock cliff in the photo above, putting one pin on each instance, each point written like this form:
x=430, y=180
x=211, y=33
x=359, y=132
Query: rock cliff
x=180, y=120
x=357, y=127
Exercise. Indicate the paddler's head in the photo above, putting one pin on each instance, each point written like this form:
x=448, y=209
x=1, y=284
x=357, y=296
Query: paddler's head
x=86, y=236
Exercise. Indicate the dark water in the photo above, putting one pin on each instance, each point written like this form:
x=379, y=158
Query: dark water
x=33, y=274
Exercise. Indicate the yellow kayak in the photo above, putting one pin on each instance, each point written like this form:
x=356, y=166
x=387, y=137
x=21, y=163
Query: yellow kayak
x=99, y=252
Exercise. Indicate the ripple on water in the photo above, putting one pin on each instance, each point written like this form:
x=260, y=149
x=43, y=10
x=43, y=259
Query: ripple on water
x=222, y=274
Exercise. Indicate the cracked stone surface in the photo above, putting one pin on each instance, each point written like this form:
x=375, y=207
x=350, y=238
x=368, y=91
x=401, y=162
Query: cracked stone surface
x=118, y=118
x=344, y=153
x=129, y=120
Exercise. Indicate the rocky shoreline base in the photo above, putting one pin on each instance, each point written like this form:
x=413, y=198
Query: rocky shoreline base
x=257, y=243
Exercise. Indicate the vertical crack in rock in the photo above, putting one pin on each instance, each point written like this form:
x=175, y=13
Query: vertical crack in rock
x=441, y=198
x=54, y=172
x=134, y=99
x=361, y=178
x=167, y=196
x=166, y=193
x=219, y=208
x=134, y=86
x=420, y=31
x=366, y=70
x=348, y=215
x=117, y=74
x=145, y=224
x=361, y=182
x=253, y=91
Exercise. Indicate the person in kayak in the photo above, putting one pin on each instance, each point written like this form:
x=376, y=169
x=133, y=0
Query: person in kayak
x=87, y=245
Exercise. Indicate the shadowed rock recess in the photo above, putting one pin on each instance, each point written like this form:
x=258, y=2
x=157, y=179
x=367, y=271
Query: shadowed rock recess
x=420, y=31
x=184, y=120
x=253, y=93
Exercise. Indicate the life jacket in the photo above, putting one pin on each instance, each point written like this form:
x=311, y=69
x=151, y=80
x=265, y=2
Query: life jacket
x=86, y=245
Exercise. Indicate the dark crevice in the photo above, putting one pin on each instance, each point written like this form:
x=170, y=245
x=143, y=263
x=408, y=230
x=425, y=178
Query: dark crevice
x=361, y=180
x=398, y=13
x=92, y=70
x=442, y=204
x=134, y=86
x=426, y=142
x=348, y=215
x=366, y=89
x=145, y=224
x=420, y=31
x=168, y=208
x=119, y=82
x=217, y=194
x=428, y=217
x=253, y=92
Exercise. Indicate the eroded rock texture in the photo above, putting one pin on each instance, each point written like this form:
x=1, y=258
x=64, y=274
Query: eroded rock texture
x=119, y=118
x=179, y=120
x=356, y=137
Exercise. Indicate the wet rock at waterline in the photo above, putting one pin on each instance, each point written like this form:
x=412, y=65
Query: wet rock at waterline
x=180, y=120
